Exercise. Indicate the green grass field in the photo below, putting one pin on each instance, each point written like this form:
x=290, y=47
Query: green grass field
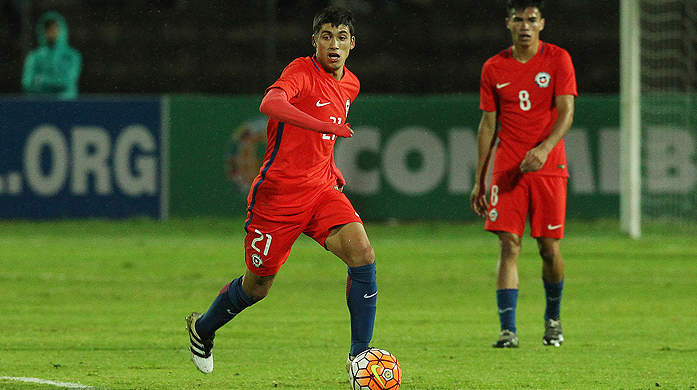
x=103, y=303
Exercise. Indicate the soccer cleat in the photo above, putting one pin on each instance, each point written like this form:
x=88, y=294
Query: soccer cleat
x=349, y=361
x=200, y=349
x=348, y=364
x=507, y=339
x=553, y=334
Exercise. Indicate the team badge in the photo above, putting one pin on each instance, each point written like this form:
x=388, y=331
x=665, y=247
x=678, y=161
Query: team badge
x=542, y=79
x=257, y=261
x=493, y=215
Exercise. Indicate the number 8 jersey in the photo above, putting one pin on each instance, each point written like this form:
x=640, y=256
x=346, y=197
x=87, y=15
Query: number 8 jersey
x=523, y=95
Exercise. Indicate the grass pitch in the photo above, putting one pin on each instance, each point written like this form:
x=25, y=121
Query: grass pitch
x=102, y=304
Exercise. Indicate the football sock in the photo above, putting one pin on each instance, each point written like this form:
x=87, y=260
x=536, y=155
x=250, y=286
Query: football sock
x=361, y=298
x=507, y=299
x=553, y=292
x=231, y=300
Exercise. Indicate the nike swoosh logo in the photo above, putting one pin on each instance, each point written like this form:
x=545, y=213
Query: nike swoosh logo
x=505, y=310
x=320, y=104
x=499, y=86
x=366, y=296
x=374, y=370
x=554, y=227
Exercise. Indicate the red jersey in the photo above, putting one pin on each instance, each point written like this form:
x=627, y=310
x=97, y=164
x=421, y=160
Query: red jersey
x=298, y=162
x=523, y=95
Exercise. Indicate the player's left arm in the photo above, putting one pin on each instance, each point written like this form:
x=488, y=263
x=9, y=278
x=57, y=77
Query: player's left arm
x=536, y=157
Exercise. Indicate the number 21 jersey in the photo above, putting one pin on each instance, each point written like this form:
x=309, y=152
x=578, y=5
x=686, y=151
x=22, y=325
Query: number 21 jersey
x=298, y=162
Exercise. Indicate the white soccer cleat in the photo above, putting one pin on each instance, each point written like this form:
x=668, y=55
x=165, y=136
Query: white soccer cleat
x=200, y=349
x=348, y=365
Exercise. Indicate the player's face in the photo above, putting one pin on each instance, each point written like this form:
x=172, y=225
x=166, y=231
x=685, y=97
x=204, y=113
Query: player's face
x=333, y=46
x=525, y=26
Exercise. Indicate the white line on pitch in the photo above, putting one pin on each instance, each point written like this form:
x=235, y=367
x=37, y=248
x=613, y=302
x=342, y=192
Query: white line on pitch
x=45, y=382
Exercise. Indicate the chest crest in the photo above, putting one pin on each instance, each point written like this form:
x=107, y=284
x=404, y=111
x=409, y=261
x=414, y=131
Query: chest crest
x=543, y=79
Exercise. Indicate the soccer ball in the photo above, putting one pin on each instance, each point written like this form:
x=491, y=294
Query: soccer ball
x=375, y=369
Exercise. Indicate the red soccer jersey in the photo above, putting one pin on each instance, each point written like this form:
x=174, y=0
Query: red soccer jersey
x=298, y=162
x=523, y=95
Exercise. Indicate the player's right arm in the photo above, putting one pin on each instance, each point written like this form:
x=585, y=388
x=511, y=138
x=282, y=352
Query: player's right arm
x=536, y=157
x=276, y=105
x=485, y=141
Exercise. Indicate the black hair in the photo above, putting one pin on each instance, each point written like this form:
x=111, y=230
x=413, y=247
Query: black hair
x=335, y=16
x=514, y=5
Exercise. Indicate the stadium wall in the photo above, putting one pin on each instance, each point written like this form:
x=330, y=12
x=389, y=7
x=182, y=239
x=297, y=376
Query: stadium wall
x=99, y=157
x=412, y=157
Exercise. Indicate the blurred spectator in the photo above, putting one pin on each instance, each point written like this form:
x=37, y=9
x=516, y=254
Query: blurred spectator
x=53, y=69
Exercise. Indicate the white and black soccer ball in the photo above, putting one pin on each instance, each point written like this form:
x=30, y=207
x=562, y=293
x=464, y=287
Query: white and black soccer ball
x=375, y=369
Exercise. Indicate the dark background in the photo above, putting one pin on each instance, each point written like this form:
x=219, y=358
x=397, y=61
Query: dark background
x=240, y=47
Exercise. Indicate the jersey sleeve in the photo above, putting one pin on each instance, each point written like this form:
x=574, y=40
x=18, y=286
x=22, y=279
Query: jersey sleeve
x=566, y=76
x=487, y=98
x=293, y=80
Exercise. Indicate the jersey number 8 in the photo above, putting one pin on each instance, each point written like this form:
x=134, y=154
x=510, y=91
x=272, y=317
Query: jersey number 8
x=524, y=97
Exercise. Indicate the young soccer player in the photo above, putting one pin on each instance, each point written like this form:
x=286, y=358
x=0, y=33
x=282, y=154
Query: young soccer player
x=528, y=90
x=299, y=189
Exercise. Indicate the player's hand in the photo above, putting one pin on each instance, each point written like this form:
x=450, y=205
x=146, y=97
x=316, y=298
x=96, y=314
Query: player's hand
x=341, y=130
x=534, y=160
x=340, y=183
x=478, y=201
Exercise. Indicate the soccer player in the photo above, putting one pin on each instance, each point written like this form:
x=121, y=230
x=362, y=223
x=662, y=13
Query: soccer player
x=527, y=97
x=299, y=189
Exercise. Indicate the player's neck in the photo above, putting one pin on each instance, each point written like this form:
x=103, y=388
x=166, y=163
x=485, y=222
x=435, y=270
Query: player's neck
x=337, y=74
x=524, y=53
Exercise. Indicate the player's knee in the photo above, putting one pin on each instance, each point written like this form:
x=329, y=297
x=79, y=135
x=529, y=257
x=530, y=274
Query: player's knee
x=549, y=253
x=363, y=255
x=510, y=243
x=257, y=288
x=258, y=293
x=510, y=247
